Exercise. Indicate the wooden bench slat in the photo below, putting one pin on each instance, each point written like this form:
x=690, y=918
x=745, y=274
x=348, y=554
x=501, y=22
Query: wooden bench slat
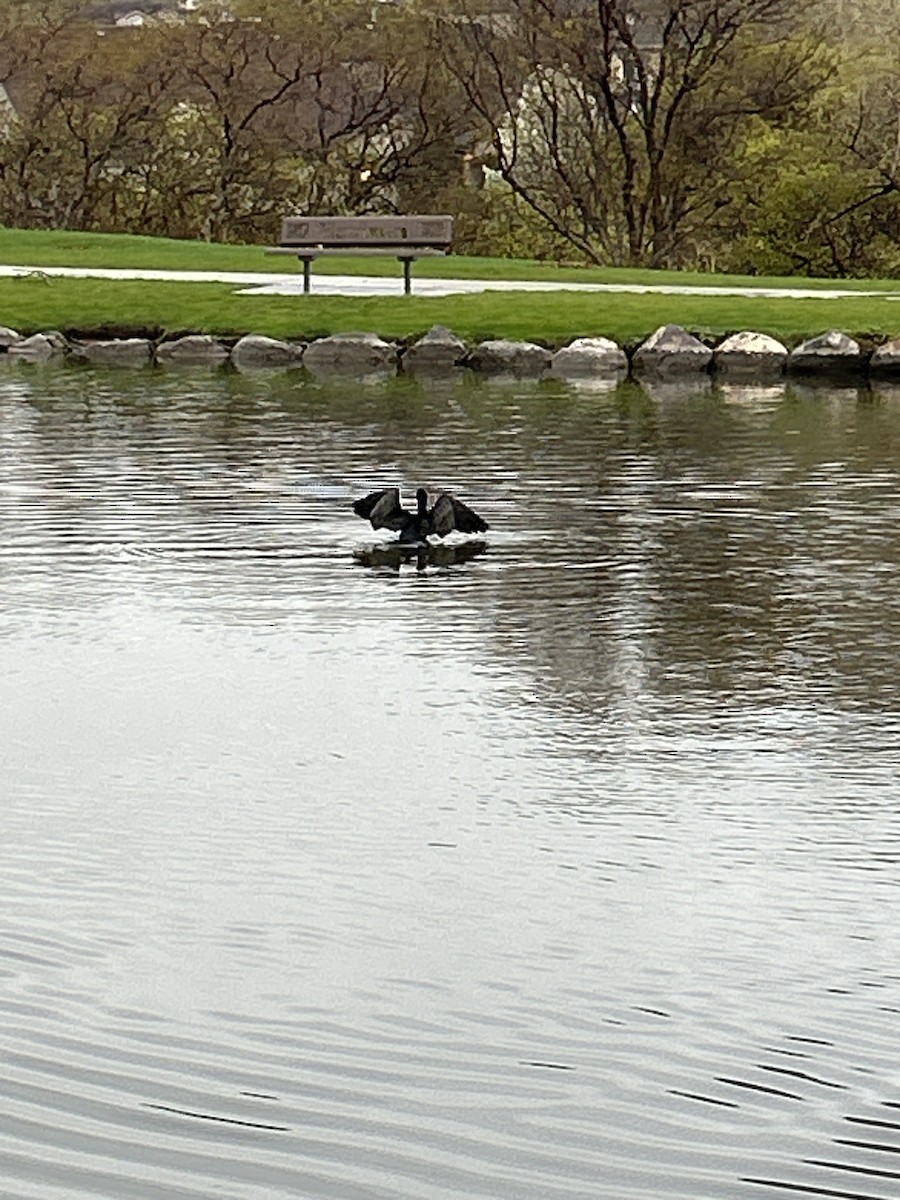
x=436, y=230
x=350, y=251
x=375, y=247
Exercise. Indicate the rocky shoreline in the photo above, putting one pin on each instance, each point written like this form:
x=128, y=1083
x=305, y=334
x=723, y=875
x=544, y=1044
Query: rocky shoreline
x=671, y=352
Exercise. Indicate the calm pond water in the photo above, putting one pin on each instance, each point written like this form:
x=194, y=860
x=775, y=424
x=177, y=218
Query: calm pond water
x=569, y=871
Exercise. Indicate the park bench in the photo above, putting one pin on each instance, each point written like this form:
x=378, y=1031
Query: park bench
x=406, y=238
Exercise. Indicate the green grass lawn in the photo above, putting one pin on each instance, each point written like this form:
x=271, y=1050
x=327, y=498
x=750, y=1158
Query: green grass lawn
x=64, y=248
x=94, y=306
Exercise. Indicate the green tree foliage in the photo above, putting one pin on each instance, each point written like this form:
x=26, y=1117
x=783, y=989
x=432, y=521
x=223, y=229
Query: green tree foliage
x=217, y=124
x=86, y=104
x=616, y=120
x=819, y=193
x=808, y=208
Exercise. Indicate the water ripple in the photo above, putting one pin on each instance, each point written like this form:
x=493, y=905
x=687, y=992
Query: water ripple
x=565, y=873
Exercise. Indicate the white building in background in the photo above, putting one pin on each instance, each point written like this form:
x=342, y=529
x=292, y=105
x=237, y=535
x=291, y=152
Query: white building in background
x=8, y=112
x=125, y=13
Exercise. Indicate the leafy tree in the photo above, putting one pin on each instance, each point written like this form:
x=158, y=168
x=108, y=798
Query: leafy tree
x=83, y=101
x=311, y=107
x=220, y=123
x=820, y=194
x=614, y=119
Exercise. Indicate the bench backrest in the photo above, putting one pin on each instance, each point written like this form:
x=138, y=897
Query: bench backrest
x=376, y=232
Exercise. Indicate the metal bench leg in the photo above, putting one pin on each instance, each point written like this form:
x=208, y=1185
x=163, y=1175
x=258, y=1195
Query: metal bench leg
x=407, y=275
x=307, y=265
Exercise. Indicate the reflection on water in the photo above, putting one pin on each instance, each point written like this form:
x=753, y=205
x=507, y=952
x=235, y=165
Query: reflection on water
x=393, y=555
x=568, y=870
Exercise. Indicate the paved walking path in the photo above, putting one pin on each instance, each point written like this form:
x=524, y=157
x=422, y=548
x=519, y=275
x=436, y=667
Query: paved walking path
x=264, y=283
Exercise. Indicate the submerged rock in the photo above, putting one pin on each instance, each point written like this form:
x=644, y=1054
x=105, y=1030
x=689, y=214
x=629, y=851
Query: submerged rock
x=437, y=350
x=119, y=352
x=829, y=353
x=40, y=347
x=589, y=356
x=351, y=354
x=255, y=350
x=886, y=359
x=194, y=350
x=750, y=355
x=501, y=356
x=671, y=350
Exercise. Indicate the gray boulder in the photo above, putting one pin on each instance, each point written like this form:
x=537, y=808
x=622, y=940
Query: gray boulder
x=350, y=354
x=8, y=337
x=193, y=350
x=254, y=351
x=504, y=357
x=589, y=356
x=40, y=347
x=832, y=353
x=750, y=356
x=886, y=359
x=118, y=352
x=671, y=350
x=437, y=350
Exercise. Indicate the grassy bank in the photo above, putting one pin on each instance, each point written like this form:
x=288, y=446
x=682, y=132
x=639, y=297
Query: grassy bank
x=25, y=247
x=96, y=306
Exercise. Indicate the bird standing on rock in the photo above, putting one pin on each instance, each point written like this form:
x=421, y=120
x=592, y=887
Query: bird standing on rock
x=384, y=511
